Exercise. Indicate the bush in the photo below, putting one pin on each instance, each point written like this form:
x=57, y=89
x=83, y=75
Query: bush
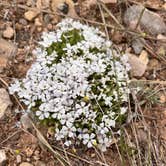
x=78, y=83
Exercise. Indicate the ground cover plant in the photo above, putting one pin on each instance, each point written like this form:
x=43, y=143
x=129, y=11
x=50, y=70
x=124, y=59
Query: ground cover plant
x=78, y=83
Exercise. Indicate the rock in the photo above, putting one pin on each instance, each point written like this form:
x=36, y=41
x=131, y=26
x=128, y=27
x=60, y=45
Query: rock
x=150, y=21
x=42, y=4
x=18, y=158
x=38, y=22
x=49, y=26
x=153, y=64
x=4, y=101
x=164, y=6
x=25, y=164
x=161, y=50
x=109, y=1
x=23, y=21
x=7, y=50
x=138, y=45
x=162, y=98
x=8, y=33
x=30, y=15
x=3, y=157
x=40, y=163
x=142, y=136
x=67, y=7
x=138, y=68
x=144, y=57
x=161, y=45
x=161, y=37
x=26, y=122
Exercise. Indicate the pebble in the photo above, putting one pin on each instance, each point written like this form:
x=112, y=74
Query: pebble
x=25, y=164
x=38, y=22
x=138, y=68
x=150, y=21
x=39, y=29
x=30, y=15
x=23, y=21
x=8, y=33
x=161, y=37
x=144, y=57
x=153, y=64
x=40, y=163
x=26, y=122
x=138, y=45
x=18, y=158
x=3, y=157
x=4, y=101
x=49, y=27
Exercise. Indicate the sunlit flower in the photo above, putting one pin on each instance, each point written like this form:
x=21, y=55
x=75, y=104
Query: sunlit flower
x=78, y=82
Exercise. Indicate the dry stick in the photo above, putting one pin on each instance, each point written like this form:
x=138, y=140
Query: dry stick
x=15, y=133
x=129, y=143
x=66, y=155
x=73, y=155
x=112, y=16
x=148, y=82
x=132, y=32
x=45, y=142
x=139, y=19
x=144, y=122
x=103, y=19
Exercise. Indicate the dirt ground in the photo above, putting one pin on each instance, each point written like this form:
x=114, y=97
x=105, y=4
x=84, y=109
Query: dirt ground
x=144, y=134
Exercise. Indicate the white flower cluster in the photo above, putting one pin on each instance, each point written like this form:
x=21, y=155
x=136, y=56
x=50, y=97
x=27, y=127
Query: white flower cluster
x=78, y=82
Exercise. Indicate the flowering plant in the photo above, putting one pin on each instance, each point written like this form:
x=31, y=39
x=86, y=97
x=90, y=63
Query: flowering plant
x=78, y=82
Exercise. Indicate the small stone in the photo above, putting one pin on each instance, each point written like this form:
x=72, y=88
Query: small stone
x=164, y=6
x=25, y=164
x=38, y=22
x=162, y=50
x=153, y=64
x=49, y=26
x=39, y=29
x=26, y=122
x=23, y=21
x=138, y=68
x=138, y=45
x=151, y=22
x=144, y=57
x=40, y=163
x=161, y=37
x=162, y=98
x=142, y=136
x=18, y=158
x=4, y=101
x=8, y=33
x=3, y=157
x=30, y=15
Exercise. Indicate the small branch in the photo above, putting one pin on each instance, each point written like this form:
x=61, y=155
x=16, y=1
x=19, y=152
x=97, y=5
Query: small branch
x=140, y=17
x=148, y=82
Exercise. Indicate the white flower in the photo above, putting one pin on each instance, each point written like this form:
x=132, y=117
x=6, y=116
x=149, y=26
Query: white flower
x=89, y=139
x=79, y=85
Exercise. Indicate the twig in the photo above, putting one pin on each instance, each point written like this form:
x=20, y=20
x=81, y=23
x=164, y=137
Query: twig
x=103, y=19
x=148, y=82
x=140, y=17
x=112, y=16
